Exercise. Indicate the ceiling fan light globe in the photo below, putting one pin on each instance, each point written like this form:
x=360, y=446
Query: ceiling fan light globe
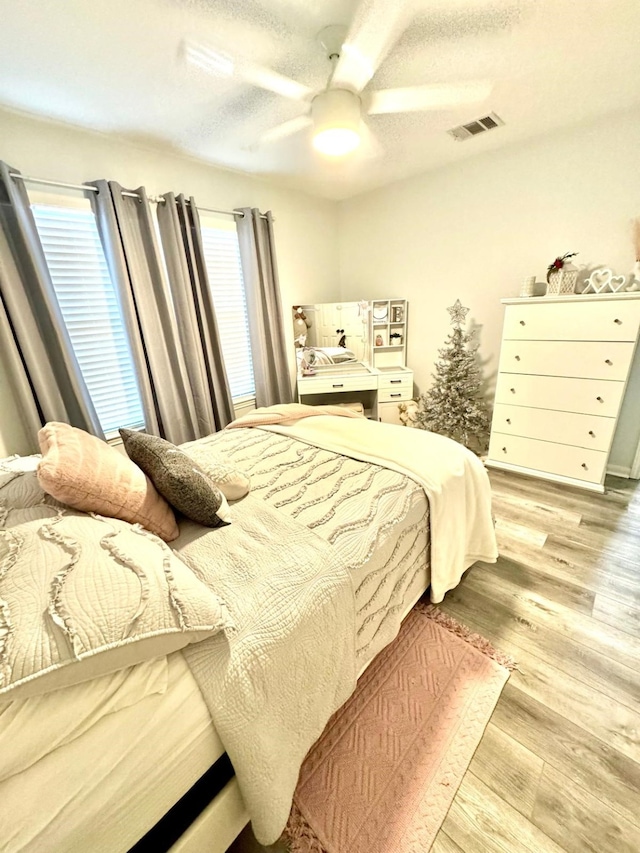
x=336, y=141
x=336, y=115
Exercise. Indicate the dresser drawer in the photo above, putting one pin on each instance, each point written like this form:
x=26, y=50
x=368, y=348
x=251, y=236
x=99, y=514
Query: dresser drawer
x=397, y=392
x=587, y=396
x=560, y=459
x=336, y=384
x=573, y=321
x=393, y=380
x=588, y=359
x=590, y=431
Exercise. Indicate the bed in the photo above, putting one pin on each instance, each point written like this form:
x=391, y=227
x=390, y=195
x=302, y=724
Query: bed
x=363, y=517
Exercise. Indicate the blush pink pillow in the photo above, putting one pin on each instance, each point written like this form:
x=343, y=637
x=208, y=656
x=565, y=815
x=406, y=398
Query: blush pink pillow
x=85, y=473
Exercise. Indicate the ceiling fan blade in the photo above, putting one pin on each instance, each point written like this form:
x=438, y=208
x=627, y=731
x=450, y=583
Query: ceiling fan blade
x=430, y=97
x=375, y=28
x=220, y=63
x=287, y=128
x=270, y=80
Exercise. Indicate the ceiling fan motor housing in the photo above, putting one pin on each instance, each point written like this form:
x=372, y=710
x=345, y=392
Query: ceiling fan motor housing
x=336, y=108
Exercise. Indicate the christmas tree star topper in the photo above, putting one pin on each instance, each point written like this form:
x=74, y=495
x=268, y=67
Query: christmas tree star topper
x=458, y=313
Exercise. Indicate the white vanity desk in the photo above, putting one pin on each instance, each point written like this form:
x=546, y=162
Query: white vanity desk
x=379, y=389
x=373, y=335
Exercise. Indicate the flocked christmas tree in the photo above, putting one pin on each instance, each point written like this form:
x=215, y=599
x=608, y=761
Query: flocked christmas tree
x=452, y=406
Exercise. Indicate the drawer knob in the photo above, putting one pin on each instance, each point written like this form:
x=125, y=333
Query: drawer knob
x=618, y=322
x=396, y=381
x=508, y=420
x=504, y=449
x=513, y=390
x=608, y=361
x=599, y=399
x=584, y=465
x=517, y=358
x=341, y=385
x=522, y=323
x=592, y=433
x=395, y=395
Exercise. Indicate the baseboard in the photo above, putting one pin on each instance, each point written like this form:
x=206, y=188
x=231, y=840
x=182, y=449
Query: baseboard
x=619, y=471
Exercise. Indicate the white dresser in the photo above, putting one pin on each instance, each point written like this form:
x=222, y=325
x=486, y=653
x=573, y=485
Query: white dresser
x=564, y=366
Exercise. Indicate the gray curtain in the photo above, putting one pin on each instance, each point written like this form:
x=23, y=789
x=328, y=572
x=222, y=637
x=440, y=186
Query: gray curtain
x=260, y=272
x=22, y=391
x=36, y=346
x=193, y=302
x=128, y=235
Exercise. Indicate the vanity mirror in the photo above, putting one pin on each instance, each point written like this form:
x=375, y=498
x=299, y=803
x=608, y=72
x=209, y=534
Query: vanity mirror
x=335, y=332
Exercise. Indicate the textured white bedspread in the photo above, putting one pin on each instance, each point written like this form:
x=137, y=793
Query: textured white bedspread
x=453, y=479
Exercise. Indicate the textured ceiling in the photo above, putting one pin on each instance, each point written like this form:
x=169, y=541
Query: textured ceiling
x=118, y=67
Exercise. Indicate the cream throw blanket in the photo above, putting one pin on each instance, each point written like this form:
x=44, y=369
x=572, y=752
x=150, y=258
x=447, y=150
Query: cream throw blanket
x=453, y=478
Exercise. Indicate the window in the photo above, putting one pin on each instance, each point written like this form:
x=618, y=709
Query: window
x=222, y=259
x=91, y=310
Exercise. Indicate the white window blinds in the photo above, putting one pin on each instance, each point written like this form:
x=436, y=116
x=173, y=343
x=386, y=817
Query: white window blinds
x=222, y=259
x=91, y=311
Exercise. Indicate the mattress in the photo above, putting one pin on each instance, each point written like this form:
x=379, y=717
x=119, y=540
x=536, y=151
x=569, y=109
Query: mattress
x=134, y=749
x=127, y=762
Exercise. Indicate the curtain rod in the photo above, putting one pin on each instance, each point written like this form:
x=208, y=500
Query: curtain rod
x=84, y=188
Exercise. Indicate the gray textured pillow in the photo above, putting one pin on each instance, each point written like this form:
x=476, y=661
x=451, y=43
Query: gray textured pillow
x=179, y=479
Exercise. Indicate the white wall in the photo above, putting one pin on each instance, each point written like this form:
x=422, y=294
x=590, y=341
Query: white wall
x=306, y=227
x=475, y=229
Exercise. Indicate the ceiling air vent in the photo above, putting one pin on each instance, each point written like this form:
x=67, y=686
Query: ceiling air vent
x=474, y=128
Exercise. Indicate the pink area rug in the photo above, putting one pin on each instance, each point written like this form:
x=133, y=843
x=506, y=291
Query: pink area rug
x=386, y=769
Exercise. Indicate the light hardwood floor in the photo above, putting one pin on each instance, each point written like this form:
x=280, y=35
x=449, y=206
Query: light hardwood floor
x=558, y=768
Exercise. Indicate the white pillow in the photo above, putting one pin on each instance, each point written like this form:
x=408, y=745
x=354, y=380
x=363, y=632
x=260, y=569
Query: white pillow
x=232, y=482
x=83, y=595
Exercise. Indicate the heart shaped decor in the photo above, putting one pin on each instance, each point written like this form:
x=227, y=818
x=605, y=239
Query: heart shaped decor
x=599, y=281
x=617, y=283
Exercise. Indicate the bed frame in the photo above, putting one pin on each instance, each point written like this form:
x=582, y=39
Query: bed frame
x=207, y=819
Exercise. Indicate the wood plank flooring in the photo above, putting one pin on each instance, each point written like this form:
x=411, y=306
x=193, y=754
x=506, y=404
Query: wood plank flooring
x=558, y=768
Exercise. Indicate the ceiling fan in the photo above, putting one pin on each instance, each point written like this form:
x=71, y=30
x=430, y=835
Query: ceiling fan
x=337, y=113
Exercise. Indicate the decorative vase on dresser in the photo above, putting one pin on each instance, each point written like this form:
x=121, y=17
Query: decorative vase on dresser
x=564, y=366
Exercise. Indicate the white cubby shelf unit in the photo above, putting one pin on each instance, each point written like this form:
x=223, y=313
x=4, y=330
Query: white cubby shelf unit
x=389, y=324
